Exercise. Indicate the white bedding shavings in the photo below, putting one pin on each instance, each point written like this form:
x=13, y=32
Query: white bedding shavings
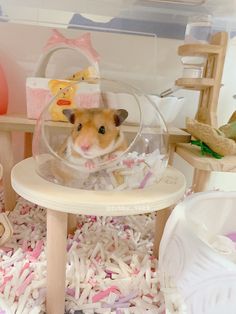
x=135, y=170
x=110, y=268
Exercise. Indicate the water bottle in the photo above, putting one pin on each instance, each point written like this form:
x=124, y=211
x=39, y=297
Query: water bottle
x=3, y=93
x=198, y=30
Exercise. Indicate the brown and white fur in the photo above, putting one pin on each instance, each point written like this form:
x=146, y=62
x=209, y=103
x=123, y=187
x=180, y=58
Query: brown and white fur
x=96, y=134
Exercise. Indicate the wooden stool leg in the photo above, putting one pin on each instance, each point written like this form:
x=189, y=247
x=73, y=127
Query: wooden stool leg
x=200, y=180
x=28, y=145
x=56, y=261
x=7, y=161
x=161, y=218
x=72, y=223
x=171, y=154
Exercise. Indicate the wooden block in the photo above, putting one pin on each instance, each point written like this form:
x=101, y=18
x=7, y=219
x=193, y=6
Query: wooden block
x=195, y=83
x=198, y=49
x=200, y=180
x=161, y=219
x=23, y=124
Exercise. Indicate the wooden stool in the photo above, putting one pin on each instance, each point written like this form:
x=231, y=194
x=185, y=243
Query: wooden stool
x=60, y=201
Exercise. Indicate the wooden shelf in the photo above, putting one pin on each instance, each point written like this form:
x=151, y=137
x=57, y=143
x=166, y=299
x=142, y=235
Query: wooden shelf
x=17, y=122
x=195, y=83
x=192, y=155
x=198, y=49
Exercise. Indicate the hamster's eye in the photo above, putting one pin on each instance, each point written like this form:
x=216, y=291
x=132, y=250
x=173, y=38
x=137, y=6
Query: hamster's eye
x=82, y=78
x=102, y=130
x=73, y=76
x=79, y=127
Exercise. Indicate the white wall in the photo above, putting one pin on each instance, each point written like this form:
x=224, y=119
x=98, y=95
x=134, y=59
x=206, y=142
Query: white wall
x=147, y=62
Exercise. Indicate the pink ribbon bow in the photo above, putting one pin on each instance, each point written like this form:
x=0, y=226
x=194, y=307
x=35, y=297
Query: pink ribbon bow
x=83, y=43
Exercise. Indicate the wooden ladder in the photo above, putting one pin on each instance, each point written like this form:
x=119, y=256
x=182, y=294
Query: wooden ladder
x=209, y=85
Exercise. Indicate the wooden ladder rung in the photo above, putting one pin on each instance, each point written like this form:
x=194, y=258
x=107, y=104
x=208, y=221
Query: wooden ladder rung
x=199, y=49
x=195, y=83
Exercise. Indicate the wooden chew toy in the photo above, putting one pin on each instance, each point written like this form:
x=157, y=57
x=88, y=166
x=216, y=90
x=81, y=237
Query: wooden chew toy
x=229, y=129
x=214, y=138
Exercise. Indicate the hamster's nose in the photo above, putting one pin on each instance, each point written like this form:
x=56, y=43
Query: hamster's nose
x=85, y=147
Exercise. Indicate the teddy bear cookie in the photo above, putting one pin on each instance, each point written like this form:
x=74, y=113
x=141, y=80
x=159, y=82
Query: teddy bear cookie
x=64, y=98
x=84, y=74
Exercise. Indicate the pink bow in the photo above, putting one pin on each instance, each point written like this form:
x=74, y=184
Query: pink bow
x=83, y=43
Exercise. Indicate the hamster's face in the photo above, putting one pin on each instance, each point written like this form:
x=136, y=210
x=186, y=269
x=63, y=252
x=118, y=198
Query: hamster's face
x=95, y=131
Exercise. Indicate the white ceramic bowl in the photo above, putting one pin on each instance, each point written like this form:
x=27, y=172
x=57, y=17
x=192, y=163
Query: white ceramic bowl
x=169, y=107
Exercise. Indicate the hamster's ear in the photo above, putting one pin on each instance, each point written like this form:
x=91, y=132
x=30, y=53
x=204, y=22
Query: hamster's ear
x=120, y=116
x=70, y=114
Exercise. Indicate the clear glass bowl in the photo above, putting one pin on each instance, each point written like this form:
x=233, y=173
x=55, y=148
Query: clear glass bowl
x=112, y=137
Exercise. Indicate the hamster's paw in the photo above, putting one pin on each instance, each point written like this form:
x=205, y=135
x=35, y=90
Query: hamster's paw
x=111, y=157
x=89, y=164
x=129, y=163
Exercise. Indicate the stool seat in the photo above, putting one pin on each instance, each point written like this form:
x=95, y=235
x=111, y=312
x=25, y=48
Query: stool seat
x=27, y=183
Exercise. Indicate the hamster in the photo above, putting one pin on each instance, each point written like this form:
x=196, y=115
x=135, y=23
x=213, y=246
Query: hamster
x=95, y=135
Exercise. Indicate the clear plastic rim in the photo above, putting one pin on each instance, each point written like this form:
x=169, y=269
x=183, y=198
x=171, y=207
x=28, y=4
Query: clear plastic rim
x=102, y=165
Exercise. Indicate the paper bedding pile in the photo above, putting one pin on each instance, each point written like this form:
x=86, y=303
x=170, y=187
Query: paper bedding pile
x=115, y=274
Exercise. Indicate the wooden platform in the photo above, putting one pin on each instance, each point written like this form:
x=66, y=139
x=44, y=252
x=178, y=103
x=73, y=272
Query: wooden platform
x=17, y=122
x=192, y=155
